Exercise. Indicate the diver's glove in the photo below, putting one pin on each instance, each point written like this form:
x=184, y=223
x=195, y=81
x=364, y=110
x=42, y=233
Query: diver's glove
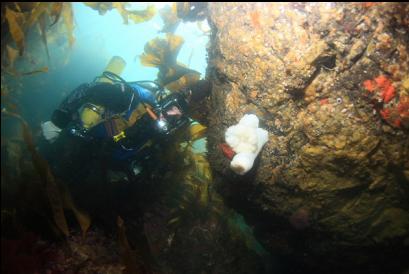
x=50, y=131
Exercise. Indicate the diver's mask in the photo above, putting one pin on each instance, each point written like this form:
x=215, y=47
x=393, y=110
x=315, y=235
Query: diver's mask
x=91, y=115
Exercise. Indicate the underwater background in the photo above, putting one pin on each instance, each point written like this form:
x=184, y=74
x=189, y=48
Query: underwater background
x=97, y=39
x=295, y=161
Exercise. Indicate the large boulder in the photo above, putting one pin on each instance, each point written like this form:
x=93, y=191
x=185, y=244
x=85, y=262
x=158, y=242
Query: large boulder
x=330, y=83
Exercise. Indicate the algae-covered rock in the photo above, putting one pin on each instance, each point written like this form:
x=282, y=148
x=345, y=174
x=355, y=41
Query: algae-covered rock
x=329, y=83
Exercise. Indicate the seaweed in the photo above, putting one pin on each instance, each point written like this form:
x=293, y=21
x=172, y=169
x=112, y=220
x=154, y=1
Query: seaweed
x=162, y=53
x=56, y=11
x=192, y=11
x=58, y=196
x=43, y=169
x=101, y=7
x=12, y=54
x=15, y=20
x=170, y=19
x=19, y=19
x=40, y=70
x=42, y=24
x=132, y=259
x=68, y=18
x=137, y=16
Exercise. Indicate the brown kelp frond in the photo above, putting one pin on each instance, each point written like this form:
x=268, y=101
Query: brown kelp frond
x=40, y=70
x=194, y=197
x=15, y=21
x=68, y=18
x=131, y=258
x=44, y=170
x=56, y=11
x=82, y=217
x=137, y=16
x=35, y=13
x=161, y=52
x=180, y=79
x=141, y=16
x=19, y=19
x=101, y=7
x=170, y=18
x=8, y=101
x=42, y=26
x=182, y=9
x=155, y=52
x=58, y=195
x=192, y=11
x=12, y=55
x=12, y=71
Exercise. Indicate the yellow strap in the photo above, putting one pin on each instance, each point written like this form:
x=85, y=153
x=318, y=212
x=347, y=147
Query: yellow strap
x=119, y=136
x=197, y=131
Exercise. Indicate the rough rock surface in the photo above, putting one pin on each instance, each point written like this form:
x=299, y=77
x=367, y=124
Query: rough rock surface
x=330, y=82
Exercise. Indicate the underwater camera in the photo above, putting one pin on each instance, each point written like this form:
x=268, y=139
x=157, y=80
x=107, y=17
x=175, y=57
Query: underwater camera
x=172, y=114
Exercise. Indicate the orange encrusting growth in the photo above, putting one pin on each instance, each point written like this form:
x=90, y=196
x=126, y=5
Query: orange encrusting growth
x=383, y=85
x=369, y=85
x=388, y=93
x=255, y=19
x=383, y=88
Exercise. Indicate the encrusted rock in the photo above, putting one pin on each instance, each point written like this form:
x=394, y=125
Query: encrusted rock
x=331, y=83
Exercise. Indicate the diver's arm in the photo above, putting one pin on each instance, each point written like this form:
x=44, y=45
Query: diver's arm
x=145, y=95
x=65, y=112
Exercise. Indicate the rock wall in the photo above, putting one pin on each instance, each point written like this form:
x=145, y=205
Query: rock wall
x=330, y=82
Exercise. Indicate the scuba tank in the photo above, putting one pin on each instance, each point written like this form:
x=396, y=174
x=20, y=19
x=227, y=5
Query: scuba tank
x=90, y=114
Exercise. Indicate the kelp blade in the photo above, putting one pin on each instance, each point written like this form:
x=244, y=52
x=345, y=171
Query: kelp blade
x=44, y=170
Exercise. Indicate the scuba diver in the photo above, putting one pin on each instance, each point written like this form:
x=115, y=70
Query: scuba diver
x=121, y=122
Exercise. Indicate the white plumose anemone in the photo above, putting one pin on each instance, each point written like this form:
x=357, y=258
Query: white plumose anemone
x=246, y=139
